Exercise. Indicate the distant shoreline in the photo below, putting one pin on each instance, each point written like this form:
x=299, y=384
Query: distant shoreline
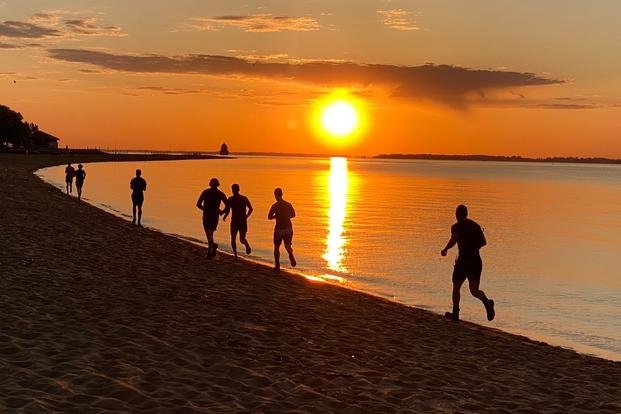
x=434, y=157
x=423, y=156
x=500, y=158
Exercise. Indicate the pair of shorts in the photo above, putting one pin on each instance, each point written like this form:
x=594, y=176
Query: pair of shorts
x=241, y=227
x=138, y=199
x=281, y=235
x=79, y=184
x=468, y=268
x=210, y=221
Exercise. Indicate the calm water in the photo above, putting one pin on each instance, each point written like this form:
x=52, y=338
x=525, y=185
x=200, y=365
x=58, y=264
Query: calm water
x=553, y=258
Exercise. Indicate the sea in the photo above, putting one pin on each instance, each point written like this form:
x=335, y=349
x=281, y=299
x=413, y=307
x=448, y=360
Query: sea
x=552, y=262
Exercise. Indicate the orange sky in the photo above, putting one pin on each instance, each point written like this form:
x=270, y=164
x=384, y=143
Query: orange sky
x=522, y=78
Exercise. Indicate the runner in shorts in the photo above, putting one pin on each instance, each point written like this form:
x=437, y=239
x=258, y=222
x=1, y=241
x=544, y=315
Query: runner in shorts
x=80, y=176
x=469, y=238
x=69, y=174
x=138, y=186
x=209, y=202
x=241, y=209
x=282, y=211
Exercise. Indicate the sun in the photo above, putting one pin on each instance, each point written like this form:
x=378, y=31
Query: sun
x=339, y=118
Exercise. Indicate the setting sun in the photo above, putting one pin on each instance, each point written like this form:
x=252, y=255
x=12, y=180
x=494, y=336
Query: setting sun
x=339, y=118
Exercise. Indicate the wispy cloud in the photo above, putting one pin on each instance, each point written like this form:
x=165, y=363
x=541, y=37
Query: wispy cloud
x=168, y=91
x=257, y=23
x=26, y=30
x=55, y=25
x=445, y=84
x=89, y=26
x=17, y=76
x=398, y=19
x=556, y=105
x=45, y=18
x=9, y=46
x=20, y=46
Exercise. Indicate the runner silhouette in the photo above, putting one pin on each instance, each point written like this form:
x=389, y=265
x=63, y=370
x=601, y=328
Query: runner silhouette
x=241, y=209
x=469, y=238
x=80, y=176
x=282, y=211
x=69, y=173
x=138, y=186
x=209, y=202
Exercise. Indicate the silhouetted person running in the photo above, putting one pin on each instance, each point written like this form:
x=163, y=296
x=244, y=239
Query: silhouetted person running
x=80, y=176
x=138, y=186
x=69, y=173
x=209, y=201
x=283, y=212
x=469, y=238
x=241, y=209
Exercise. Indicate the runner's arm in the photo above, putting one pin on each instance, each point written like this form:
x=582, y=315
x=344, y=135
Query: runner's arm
x=226, y=211
x=272, y=214
x=199, y=203
x=250, y=209
x=449, y=245
x=225, y=201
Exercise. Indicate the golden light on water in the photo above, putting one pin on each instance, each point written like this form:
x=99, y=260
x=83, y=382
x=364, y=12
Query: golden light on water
x=339, y=118
x=336, y=241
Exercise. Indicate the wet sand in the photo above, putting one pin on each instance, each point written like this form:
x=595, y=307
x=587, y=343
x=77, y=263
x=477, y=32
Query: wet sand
x=98, y=315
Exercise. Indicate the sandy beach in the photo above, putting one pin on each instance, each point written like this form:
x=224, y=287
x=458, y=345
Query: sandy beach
x=101, y=316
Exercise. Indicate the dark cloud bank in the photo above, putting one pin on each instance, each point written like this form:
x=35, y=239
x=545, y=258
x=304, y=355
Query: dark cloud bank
x=449, y=85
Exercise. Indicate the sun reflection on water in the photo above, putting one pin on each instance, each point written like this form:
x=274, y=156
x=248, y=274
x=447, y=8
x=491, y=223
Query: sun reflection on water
x=336, y=241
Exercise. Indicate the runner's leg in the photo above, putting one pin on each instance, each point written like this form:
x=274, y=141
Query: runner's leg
x=242, y=238
x=277, y=242
x=233, y=239
x=288, y=239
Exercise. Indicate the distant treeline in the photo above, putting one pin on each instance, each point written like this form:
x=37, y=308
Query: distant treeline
x=504, y=158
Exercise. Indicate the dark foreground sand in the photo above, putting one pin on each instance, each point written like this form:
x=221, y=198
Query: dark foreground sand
x=100, y=316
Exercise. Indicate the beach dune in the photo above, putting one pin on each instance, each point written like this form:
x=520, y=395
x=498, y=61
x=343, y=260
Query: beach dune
x=98, y=315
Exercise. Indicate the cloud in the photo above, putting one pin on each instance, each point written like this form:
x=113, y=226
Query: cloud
x=90, y=27
x=26, y=30
x=398, y=19
x=9, y=46
x=254, y=56
x=52, y=25
x=15, y=46
x=571, y=99
x=257, y=23
x=445, y=84
x=16, y=76
x=168, y=91
x=552, y=103
x=45, y=18
x=555, y=105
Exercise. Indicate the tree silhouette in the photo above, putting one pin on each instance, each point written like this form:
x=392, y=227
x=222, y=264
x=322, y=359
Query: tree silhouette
x=13, y=129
